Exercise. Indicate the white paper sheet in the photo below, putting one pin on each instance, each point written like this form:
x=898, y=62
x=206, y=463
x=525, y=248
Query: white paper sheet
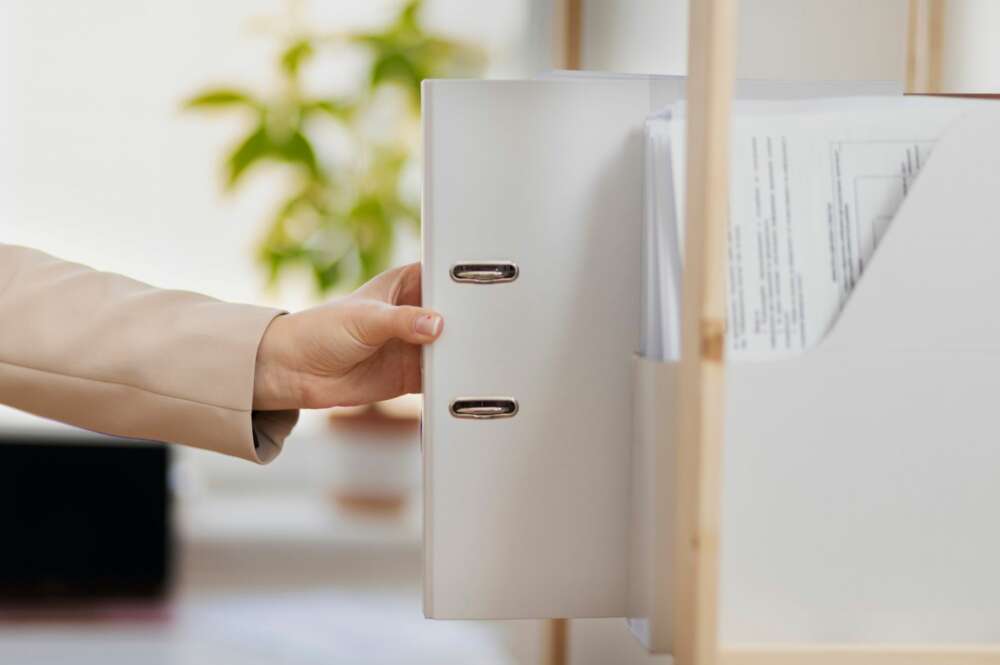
x=814, y=187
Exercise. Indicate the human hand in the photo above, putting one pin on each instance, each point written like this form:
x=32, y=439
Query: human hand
x=362, y=348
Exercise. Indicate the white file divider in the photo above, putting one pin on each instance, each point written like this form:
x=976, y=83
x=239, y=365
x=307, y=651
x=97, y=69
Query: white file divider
x=531, y=515
x=861, y=477
x=861, y=483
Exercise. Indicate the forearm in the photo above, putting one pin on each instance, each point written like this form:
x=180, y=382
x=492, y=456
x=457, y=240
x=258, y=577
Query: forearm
x=108, y=353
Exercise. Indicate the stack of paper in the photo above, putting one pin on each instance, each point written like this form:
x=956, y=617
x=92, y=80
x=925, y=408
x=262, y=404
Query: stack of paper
x=814, y=187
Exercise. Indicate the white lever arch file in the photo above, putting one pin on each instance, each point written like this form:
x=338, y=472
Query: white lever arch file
x=528, y=395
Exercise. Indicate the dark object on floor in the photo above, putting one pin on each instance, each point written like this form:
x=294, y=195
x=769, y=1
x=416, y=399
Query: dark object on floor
x=83, y=518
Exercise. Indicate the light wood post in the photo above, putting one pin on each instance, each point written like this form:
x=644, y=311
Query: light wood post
x=861, y=654
x=556, y=642
x=711, y=56
x=566, y=51
x=568, y=35
x=924, y=46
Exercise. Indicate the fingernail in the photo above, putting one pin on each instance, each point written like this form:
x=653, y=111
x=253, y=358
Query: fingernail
x=428, y=324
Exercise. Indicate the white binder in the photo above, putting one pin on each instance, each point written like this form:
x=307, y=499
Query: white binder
x=530, y=515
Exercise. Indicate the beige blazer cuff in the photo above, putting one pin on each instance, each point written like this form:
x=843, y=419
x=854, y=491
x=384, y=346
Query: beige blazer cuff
x=110, y=354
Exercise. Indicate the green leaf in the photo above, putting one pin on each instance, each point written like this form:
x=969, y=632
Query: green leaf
x=409, y=17
x=295, y=56
x=373, y=40
x=327, y=276
x=374, y=261
x=221, y=98
x=291, y=205
x=259, y=145
x=373, y=235
x=254, y=147
x=397, y=67
x=342, y=111
x=277, y=258
x=407, y=213
x=298, y=150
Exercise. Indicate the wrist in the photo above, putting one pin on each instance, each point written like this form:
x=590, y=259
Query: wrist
x=272, y=384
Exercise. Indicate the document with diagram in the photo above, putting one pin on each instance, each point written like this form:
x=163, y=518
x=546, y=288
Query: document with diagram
x=814, y=187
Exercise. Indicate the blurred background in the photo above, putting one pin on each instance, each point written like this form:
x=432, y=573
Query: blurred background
x=268, y=151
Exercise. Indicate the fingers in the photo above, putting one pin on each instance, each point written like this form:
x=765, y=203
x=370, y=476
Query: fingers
x=395, y=373
x=375, y=324
x=399, y=286
x=408, y=292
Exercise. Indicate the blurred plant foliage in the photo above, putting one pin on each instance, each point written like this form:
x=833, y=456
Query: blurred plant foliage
x=338, y=220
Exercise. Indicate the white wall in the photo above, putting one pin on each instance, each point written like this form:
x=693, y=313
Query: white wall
x=782, y=39
x=799, y=39
x=971, y=58
x=106, y=169
x=639, y=36
x=6, y=128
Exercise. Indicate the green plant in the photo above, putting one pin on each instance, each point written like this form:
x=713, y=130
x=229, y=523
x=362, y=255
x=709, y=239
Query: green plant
x=339, y=220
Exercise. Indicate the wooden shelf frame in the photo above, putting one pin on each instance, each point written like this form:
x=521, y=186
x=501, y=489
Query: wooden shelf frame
x=713, y=29
x=711, y=77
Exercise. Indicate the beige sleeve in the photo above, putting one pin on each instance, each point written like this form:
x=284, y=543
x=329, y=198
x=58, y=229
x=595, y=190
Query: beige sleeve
x=110, y=354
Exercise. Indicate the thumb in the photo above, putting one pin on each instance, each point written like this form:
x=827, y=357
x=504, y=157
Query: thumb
x=377, y=325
